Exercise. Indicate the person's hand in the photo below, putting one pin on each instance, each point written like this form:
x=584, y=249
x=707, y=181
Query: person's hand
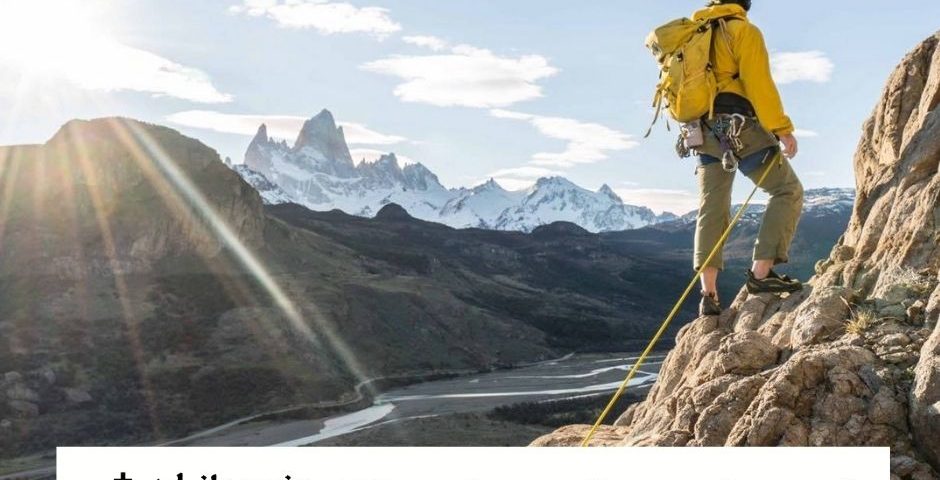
x=790, y=145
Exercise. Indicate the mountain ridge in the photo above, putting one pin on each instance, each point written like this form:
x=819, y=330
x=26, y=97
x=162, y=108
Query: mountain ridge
x=318, y=172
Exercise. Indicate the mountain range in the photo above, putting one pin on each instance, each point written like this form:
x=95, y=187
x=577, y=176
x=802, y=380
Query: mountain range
x=318, y=172
x=146, y=291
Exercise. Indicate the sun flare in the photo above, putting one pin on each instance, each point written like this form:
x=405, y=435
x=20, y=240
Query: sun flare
x=43, y=37
x=68, y=40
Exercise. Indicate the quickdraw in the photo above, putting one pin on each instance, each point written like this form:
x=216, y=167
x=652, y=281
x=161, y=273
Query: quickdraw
x=727, y=130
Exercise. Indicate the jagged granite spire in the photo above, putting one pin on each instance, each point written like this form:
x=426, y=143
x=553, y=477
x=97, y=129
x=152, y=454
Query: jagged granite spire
x=257, y=157
x=262, y=136
x=320, y=134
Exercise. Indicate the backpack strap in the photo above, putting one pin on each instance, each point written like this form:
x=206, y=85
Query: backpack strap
x=657, y=108
x=721, y=25
x=723, y=28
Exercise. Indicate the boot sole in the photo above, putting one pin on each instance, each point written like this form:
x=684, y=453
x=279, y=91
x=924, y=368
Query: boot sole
x=780, y=287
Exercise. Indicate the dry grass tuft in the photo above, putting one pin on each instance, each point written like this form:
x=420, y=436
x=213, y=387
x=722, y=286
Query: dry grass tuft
x=860, y=319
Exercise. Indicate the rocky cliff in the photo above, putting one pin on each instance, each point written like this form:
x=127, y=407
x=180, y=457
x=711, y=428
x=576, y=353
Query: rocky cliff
x=853, y=360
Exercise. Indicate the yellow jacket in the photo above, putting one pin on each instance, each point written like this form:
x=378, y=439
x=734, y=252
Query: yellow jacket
x=747, y=58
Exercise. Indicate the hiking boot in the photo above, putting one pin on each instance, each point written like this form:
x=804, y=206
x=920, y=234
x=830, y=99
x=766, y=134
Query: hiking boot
x=774, y=283
x=710, y=305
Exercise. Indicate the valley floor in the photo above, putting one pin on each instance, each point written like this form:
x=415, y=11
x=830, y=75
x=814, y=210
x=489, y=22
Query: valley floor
x=502, y=408
x=484, y=409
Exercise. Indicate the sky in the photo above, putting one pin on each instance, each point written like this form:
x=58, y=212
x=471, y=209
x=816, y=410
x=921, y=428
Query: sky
x=474, y=89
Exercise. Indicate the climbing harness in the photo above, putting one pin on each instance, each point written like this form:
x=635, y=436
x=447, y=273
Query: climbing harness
x=728, y=130
x=675, y=310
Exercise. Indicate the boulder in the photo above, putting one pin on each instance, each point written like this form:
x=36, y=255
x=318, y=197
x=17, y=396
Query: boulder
x=573, y=435
x=77, y=395
x=751, y=312
x=925, y=400
x=717, y=420
x=932, y=314
x=20, y=391
x=745, y=353
x=47, y=374
x=820, y=317
x=23, y=409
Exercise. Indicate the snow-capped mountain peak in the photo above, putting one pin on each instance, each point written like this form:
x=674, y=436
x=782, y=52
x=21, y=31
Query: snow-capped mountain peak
x=262, y=136
x=420, y=178
x=552, y=183
x=321, y=134
x=489, y=185
x=606, y=190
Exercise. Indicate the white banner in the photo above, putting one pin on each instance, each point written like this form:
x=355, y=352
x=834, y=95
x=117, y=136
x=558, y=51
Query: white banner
x=472, y=463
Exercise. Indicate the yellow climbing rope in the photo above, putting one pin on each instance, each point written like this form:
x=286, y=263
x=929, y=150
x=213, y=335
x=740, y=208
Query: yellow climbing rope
x=675, y=309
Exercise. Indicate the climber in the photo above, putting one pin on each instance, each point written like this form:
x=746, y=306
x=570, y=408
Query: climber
x=748, y=112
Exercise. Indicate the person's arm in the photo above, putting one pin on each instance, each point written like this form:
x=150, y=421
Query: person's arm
x=759, y=86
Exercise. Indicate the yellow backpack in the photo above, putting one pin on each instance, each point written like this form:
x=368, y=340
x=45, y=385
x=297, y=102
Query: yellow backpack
x=687, y=83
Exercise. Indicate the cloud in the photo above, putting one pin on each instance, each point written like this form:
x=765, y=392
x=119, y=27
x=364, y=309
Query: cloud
x=279, y=126
x=426, y=41
x=69, y=46
x=587, y=142
x=529, y=173
x=465, y=76
x=359, y=134
x=812, y=66
x=805, y=133
x=113, y=66
x=679, y=202
x=325, y=17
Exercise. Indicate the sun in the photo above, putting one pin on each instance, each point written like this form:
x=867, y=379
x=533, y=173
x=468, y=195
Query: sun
x=46, y=37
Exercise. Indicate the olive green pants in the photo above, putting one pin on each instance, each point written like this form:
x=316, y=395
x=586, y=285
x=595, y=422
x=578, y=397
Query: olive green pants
x=780, y=219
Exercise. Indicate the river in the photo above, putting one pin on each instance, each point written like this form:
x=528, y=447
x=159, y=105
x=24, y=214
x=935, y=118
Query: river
x=571, y=377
